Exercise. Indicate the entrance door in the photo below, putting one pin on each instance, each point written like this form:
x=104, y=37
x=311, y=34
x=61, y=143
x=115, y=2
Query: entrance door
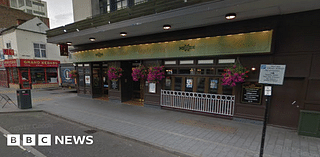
x=25, y=79
x=286, y=102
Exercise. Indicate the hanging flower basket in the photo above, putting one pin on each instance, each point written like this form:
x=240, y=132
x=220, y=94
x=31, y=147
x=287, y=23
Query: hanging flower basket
x=73, y=74
x=114, y=73
x=156, y=74
x=234, y=74
x=139, y=73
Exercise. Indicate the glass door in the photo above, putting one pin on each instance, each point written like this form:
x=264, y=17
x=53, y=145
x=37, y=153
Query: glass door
x=25, y=78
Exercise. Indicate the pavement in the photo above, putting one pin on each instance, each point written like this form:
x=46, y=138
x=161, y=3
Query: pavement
x=184, y=133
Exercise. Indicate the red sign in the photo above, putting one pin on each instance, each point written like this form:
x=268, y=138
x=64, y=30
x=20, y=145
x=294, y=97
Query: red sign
x=8, y=51
x=10, y=63
x=63, y=50
x=38, y=63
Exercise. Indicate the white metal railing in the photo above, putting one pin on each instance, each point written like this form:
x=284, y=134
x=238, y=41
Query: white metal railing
x=203, y=102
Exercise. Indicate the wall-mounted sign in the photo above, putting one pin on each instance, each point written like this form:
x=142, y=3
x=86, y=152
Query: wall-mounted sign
x=87, y=80
x=214, y=84
x=114, y=84
x=251, y=93
x=38, y=63
x=168, y=82
x=8, y=51
x=189, y=83
x=10, y=63
x=152, y=87
x=272, y=74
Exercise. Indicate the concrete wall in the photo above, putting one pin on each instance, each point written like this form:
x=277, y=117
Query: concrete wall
x=81, y=9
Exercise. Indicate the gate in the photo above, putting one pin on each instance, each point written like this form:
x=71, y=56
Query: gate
x=202, y=102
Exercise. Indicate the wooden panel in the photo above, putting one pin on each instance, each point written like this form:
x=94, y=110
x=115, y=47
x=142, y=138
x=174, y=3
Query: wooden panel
x=255, y=61
x=313, y=93
x=297, y=65
x=315, y=67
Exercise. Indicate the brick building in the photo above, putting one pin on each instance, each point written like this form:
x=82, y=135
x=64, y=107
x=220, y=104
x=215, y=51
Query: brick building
x=15, y=17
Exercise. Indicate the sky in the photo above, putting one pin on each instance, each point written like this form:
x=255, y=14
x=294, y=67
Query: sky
x=60, y=12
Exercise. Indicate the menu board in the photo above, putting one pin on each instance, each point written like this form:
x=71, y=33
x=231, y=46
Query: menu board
x=251, y=93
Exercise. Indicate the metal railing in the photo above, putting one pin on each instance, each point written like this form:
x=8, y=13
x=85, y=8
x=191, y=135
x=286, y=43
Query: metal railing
x=202, y=102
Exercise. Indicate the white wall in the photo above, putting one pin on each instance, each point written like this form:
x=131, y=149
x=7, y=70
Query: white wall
x=11, y=37
x=82, y=9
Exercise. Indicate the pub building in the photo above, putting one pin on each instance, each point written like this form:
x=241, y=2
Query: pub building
x=195, y=59
x=31, y=73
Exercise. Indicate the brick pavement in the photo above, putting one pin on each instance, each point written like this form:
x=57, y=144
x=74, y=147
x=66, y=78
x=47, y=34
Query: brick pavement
x=190, y=134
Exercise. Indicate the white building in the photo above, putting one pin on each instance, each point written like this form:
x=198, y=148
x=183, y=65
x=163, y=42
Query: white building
x=35, y=7
x=32, y=55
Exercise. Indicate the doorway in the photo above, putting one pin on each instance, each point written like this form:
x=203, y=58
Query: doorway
x=25, y=78
x=286, y=102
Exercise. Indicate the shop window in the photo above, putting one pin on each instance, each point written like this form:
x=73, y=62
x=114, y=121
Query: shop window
x=189, y=71
x=227, y=90
x=178, y=83
x=81, y=80
x=10, y=75
x=15, y=75
x=105, y=77
x=189, y=85
x=200, y=84
x=171, y=71
x=168, y=83
x=96, y=77
x=38, y=75
x=213, y=86
x=52, y=75
x=200, y=71
x=211, y=71
x=39, y=50
x=220, y=71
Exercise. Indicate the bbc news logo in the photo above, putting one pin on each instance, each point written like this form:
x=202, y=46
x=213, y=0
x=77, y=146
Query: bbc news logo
x=46, y=140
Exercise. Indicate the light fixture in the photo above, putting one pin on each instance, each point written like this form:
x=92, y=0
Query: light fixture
x=231, y=16
x=166, y=27
x=123, y=34
x=253, y=68
x=77, y=30
x=65, y=30
x=92, y=39
x=69, y=43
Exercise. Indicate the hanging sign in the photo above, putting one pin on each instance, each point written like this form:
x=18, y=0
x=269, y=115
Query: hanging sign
x=8, y=51
x=272, y=74
x=64, y=50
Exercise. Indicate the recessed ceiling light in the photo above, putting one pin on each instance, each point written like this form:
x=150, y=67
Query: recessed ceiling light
x=65, y=30
x=123, y=34
x=166, y=27
x=92, y=39
x=231, y=16
x=69, y=43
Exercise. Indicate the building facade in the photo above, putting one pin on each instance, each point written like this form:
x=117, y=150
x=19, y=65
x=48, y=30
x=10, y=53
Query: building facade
x=34, y=7
x=29, y=61
x=197, y=50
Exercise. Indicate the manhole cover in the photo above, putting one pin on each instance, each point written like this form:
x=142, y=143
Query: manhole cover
x=90, y=131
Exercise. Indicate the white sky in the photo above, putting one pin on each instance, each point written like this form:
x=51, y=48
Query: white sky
x=60, y=12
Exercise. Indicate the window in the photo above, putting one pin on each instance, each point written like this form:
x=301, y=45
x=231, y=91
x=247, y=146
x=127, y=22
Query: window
x=38, y=75
x=1, y=55
x=29, y=11
x=28, y=3
x=168, y=83
x=107, y=6
x=200, y=84
x=38, y=12
x=213, y=85
x=40, y=50
x=8, y=45
x=37, y=3
x=13, y=3
x=178, y=83
x=52, y=75
x=21, y=3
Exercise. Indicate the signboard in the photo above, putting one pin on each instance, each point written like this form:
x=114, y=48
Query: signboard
x=64, y=50
x=114, y=84
x=251, y=93
x=152, y=87
x=189, y=83
x=267, y=90
x=213, y=84
x=38, y=63
x=10, y=63
x=87, y=80
x=272, y=74
x=8, y=51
